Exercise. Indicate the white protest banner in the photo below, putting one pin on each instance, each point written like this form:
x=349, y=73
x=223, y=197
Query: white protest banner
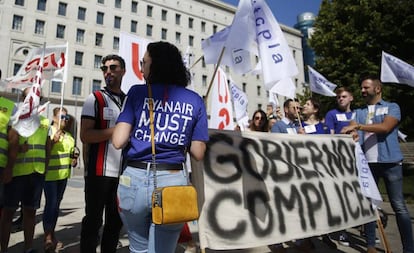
x=258, y=189
x=54, y=66
x=221, y=113
x=275, y=55
x=394, y=70
x=132, y=48
x=319, y=84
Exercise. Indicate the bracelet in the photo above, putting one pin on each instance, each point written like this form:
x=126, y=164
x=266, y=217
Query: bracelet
x=358, y=127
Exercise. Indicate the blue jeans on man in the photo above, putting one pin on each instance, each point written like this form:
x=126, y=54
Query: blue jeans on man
x=393, y=179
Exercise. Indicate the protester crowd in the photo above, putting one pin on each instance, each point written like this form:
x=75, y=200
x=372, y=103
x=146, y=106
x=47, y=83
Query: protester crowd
x=117, y=155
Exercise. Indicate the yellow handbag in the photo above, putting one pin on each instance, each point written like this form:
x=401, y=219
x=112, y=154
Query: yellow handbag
x=174, y=204
x=170, y=204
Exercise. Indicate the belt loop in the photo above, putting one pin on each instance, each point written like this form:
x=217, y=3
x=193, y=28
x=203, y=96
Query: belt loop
x=148, y=168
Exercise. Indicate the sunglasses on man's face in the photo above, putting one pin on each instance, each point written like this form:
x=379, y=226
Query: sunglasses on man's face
x=112, y=67
x=64, y=117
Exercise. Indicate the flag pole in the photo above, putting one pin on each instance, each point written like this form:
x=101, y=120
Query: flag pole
x=199, y=59
x=214, y=73
x=383, y=237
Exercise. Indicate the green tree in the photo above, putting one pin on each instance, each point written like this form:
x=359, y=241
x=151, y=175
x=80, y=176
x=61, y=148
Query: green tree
x=349, y=38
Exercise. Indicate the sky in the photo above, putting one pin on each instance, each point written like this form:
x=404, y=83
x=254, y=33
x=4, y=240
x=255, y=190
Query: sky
x=286, y=11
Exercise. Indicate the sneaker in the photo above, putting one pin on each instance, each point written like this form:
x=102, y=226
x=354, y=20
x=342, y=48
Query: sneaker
x=343, y=239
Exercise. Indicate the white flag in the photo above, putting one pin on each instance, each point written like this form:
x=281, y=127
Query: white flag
x=319, y=84
x=132, y=49
x=394, y=70
x=275, y=55
x=221, y=108
x=366, y=181
x=54, y=66
x=26, y=119
x=240, y=100
x=238, y=39
x=285, y=87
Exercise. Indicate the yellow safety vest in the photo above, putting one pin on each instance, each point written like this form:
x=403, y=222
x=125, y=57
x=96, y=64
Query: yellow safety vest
x=6, y=109
x=60, y=161
x=35, y=158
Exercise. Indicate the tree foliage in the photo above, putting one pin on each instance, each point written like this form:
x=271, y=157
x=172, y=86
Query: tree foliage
x=349, y=38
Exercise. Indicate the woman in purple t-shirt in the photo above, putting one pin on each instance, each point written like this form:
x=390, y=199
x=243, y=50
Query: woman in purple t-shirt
x=180, y=124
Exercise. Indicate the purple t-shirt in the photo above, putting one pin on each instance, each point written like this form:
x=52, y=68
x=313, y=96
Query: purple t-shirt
x=179, y=118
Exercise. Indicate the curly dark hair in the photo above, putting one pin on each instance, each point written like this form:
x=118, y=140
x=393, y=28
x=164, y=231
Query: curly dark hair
x=167, y=66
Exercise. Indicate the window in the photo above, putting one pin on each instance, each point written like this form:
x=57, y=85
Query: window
x=77, y=85
x=40, y=27
x=41, y=5
x=117, y=22
x=214, y=28
x=78, y=58
x=118, y=4
x=203, y=62
x=17, y=22
x=19, y=2
x=62, y=9
x=149, y=30
x=258, y=91
x=116, y=43
x=56, y=86
x=60, y=31
x=204, y=81
x=177, y=19
x=244, y=87
x=163, y=15
x=16, y=68
x=149, y=11
x=97, y=61
x=178, y=37
x=191, y=40
x=80, y=35
x=164, y=34
x=190, y=23
x=81, y=13
x=98, y=39
x=134, y=6
x=134, y=25
x=96, y=84
x=101, y=1
x=203, y=26
x=100, y=18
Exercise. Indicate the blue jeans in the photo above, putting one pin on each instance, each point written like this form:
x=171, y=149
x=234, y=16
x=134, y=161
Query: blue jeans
x=134, y=194
x=54, y=191
x=393, y=179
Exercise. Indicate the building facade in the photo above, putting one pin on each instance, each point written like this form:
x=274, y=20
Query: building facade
x=92, y=27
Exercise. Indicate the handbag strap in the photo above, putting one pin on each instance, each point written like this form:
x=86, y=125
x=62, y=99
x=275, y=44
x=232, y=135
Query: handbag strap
x=151, y=113
x=152, y=128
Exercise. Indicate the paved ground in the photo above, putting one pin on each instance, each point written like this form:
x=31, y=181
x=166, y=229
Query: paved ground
x=72, y=211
